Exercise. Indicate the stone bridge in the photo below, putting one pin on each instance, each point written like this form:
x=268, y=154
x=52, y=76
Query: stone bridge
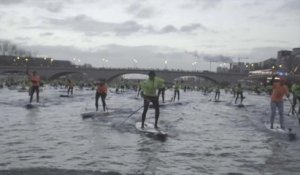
x=110, y=73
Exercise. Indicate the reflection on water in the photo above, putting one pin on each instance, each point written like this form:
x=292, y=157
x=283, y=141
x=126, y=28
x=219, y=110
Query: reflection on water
x=204, y=137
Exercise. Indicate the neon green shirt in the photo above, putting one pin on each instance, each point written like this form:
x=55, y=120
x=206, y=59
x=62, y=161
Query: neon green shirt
x=177, y=86
x=296, y=89
x=150, y=87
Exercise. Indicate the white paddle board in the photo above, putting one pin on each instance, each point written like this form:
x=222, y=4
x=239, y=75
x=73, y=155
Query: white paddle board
x=149, y=128
x=276, y=128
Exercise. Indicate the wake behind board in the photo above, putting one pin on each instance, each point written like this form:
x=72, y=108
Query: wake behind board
x=276, y=128
x=149, y=128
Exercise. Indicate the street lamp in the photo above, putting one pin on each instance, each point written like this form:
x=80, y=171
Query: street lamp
x=134, y=63
x=104, y=61
x=26, y=60
x=166, y=63
x=51, y=61
x=194, y=65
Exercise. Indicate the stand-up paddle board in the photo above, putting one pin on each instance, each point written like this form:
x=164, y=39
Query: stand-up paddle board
x=34, y=105
x=30, y=106
x=217, y=101
x=95, y=114
x=149, y=128
x=239, y=105
x=276, y=128
x=65, y=96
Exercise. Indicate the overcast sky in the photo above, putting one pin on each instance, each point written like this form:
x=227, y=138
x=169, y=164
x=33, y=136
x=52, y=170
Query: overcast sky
x=150, y=33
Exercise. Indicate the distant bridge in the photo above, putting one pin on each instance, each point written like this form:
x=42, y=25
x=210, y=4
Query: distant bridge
x=110, y=73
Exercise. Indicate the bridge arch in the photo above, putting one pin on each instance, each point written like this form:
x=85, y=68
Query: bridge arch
x=198, y=76
x=123, y=73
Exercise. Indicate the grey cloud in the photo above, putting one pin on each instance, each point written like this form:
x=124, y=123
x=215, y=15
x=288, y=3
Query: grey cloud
x=134, y=7
x=46, y=34
x=262, y=18
x=10, y=2
x=22, y=39
x=168, y=29
x=128, y=27
x=218, y=58
x=138, y=10
x=210, y=58
x=145, y=13
x=203, y=4
x=54, y=7
x=290, y=5
x=252, y=4
x=192, y=27
x=90, y=26
x=263, y=53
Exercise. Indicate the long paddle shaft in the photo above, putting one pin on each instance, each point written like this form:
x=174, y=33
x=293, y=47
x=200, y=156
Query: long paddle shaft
x=211, y=96
x=131, y=115
x=295, y=111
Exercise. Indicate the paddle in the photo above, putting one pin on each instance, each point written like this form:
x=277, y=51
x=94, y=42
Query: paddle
x=231, y=100
x=295, y=111
x=290, y=111
x=131, y=115
x=210, y=96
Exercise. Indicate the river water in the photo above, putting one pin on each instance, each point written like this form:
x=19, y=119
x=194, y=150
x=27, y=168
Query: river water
x=204, y=137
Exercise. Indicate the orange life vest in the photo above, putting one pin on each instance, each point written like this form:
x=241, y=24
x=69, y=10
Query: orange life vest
x=35, y=80
x=102, y=89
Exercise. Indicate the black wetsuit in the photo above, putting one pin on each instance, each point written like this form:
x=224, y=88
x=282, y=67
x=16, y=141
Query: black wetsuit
x=70, y=90
x=32, y=90
x=154, y=101
x=103, y=96
x=162, y=92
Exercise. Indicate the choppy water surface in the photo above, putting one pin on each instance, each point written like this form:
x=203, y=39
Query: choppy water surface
x=204, y=137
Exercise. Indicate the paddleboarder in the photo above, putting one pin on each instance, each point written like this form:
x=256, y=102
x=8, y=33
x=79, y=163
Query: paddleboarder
x=161, y=91
x=279, y=89
x=70, y=86
x=149, y=88
x=239, y=93
x=101, y=91
x=217, y=93
x=176, y=91
x=35, y=84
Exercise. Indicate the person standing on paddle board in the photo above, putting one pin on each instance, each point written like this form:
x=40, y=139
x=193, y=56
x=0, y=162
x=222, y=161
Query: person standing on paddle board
x=217, y=93
x=296, y=96
x=239, y=93
x=149, y=93
x=35, y=84
x=176, y=90
x=101, y=91
x=279, y=89
x=70, y=86
x=161, y=91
